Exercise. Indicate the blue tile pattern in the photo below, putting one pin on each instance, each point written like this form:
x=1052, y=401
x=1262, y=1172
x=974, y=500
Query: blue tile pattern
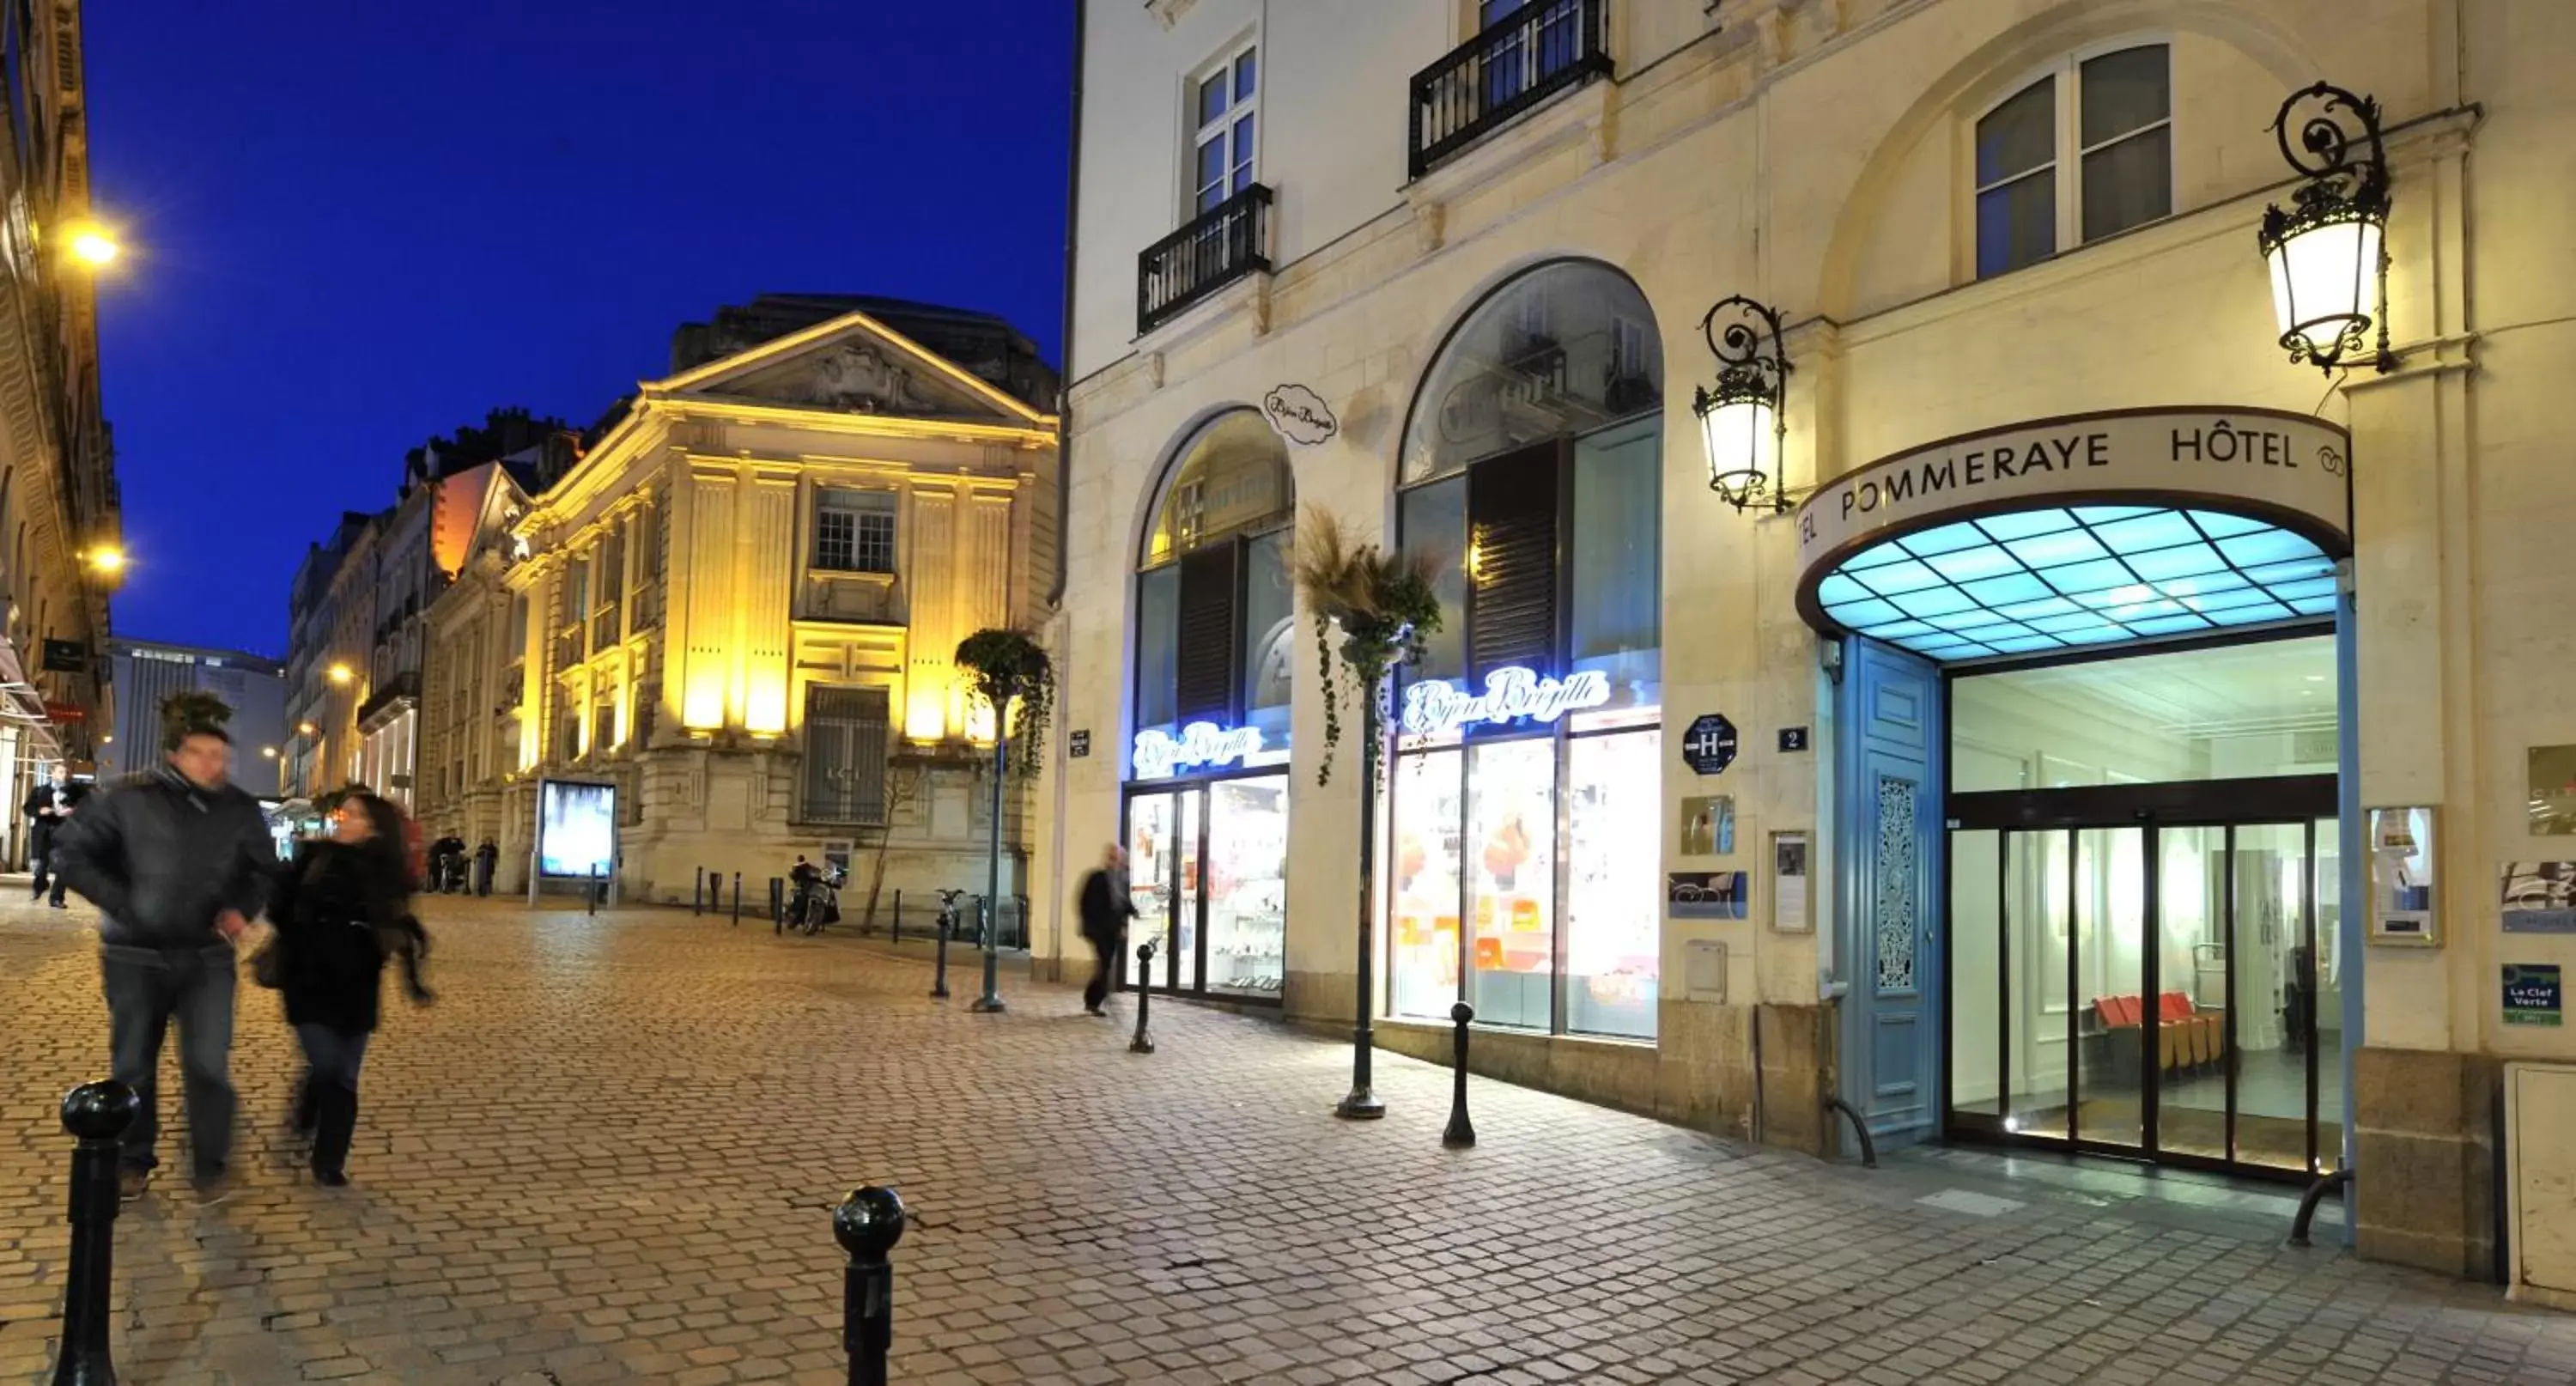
x=2039, y=580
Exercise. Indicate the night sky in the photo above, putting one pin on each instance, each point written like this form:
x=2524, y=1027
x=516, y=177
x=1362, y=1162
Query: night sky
x=353, y=226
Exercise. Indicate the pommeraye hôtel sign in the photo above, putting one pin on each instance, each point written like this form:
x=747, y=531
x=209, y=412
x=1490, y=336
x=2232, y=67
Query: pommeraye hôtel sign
x=2290, y=468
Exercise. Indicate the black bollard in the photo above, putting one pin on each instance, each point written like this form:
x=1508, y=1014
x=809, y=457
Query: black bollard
x=777, y=903
x=868, y=1224
x=939, y=970
x=1461, y=1132
x=898, y=914
x=590, y=893
x=737, y=900
x=95, y=1114
x=698, y=893
x=1144, y=1041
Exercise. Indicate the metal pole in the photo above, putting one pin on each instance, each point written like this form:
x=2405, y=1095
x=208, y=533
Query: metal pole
x=590, y=893
x=698, y=893
x=1461, y=1132
x=1360, y=1103
x=95, y=1114
x=777, y=905
x=898, y=914
x=867, y=1225
x=737, y=900
x=1144, y=1041
x=991, y=1001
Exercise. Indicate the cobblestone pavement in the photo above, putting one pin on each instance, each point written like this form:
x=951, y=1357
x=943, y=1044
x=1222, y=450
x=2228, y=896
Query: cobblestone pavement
x=607, y=1154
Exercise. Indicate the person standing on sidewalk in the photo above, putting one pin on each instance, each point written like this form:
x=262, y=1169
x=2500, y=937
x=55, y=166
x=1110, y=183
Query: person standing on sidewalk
x=176, y=860
x=49, y=812
x=1106, y=907
x=486, y=857
x=342, y=905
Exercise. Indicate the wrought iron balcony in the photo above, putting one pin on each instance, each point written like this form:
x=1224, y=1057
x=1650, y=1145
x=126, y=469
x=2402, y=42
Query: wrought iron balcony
x=1230, y=241
x=1519, y=62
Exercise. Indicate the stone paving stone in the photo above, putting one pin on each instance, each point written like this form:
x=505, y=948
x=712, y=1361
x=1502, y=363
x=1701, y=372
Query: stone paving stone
x=609, y=1155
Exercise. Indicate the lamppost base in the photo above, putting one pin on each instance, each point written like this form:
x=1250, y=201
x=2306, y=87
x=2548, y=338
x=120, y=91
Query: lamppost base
x=988, y=1005
x=1142, y=1044
x=1459, y=1136
x=1360, y=1105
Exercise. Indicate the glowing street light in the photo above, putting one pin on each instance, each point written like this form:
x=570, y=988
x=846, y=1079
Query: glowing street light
x=304, y=729
x=108, y=559
x=269, y=752
x=340, y=674
x=91, y=245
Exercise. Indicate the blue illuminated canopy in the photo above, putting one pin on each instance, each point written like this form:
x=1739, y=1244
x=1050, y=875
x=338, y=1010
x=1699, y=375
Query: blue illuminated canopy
x=2032, y=581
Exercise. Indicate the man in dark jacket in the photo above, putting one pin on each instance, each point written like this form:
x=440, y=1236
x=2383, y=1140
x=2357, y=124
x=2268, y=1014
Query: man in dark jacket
x=486, y=857
x=178, y=863
x=1106, y=908
x=49, y=811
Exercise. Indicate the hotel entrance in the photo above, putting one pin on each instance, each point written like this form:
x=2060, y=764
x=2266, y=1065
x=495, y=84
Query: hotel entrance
x=2144, y=898
x=2089, y=772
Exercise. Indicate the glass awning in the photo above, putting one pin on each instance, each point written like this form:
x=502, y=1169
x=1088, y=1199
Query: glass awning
x=2037, y=580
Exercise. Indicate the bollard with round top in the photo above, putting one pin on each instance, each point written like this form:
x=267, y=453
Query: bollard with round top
x=1461, y=1132
x=868, y=1224
x=1144, y=1041
x=95, y=1114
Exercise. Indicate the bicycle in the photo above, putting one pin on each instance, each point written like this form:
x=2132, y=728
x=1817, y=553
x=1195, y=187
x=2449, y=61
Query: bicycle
x=948, y=912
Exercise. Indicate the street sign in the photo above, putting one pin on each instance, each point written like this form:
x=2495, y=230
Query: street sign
x=1077, y=744
x=1793, y=739
x=66, y=713
x=1709, y=745
x=66, y=657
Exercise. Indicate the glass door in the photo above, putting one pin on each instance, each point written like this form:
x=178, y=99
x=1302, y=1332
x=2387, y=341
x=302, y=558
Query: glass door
x=1153, y=878
x=2149, y=990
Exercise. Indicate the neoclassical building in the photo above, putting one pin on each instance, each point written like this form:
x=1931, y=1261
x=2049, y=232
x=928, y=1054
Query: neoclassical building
x=739, y=607
x=2090, y=698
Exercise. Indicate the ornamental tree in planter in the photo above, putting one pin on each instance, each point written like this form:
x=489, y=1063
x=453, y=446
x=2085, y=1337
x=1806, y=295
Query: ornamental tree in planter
x=1010, y=671
x=1372, y=611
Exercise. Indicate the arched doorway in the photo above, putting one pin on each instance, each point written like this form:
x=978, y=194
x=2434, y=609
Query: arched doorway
x=1207, y=796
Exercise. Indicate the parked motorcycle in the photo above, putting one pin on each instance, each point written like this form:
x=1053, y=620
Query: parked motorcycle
x=817, y=900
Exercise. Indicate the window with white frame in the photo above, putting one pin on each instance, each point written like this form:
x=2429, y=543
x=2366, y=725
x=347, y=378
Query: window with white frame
x=854, y=531
x=1225, y=104
x=2082, y=153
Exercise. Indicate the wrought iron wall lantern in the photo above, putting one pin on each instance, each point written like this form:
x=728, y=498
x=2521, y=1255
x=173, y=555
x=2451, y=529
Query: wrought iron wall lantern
x=2327, y=252
x=1740, y=422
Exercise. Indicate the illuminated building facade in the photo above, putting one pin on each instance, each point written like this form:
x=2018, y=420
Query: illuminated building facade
x=740, y=605
x=2114, y=695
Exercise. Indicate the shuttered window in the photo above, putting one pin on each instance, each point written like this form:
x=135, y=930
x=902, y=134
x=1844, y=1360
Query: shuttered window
x=1211, y=631
x=845, y=756
x=1512, y=504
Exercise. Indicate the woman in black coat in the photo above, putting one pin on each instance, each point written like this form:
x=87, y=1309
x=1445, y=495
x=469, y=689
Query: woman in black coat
x=343, y=905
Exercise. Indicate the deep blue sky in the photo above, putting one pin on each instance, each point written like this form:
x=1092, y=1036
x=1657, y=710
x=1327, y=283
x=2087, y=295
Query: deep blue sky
x=355, y=224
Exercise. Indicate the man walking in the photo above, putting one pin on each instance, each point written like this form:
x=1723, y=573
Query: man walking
x=1106, y=908
x=177, y=862
x=49, y=812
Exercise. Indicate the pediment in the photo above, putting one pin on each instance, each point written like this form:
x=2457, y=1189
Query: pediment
x=852, y=365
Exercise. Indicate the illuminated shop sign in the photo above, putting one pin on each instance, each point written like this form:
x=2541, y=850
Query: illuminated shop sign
x=1158, y=753
x=1511, y=694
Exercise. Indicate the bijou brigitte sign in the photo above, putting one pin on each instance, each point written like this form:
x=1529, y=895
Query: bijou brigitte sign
x=1511, y=693
x=2286, y=463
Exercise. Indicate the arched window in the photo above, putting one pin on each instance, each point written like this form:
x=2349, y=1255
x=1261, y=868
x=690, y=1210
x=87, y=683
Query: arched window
x=1214, y=605
x=2081, y=153
x=1527, y=793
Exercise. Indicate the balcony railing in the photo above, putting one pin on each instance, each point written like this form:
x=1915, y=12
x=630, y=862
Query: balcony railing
x=1518, y=62
x=399, y=688
x=1230, y=241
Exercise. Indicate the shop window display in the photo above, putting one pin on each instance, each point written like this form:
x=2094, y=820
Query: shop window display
x=1526, y=835
x=1247, y=885
x=1511, y=868
x=1613, y=942
x=1424, y=979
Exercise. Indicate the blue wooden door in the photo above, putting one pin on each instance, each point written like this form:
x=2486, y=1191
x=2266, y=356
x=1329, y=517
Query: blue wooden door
x=1891, y=826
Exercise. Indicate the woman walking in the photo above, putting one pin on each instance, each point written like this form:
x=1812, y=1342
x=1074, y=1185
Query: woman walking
x=343, y=905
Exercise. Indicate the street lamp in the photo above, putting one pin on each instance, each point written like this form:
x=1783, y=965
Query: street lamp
x=340, y=674
x=304, y=729
x=107, y=560
x=1740, y=422
x=90, y=244
x=2327, y=254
